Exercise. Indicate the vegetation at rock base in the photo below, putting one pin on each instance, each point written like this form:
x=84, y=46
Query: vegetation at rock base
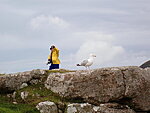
x=2, y=74
x=19, y=108
x=36, y=93
x=59, y=71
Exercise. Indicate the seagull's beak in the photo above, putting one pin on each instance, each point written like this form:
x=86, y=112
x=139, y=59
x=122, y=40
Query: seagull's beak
x=94, y=55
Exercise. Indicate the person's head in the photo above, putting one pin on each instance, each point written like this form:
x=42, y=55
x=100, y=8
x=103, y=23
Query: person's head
x=52, y=47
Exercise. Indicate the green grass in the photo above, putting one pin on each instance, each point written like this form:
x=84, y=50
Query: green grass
x=59, y=71
x=2, y=74
x=38, y=93
x=19, y=108
x=6, y=106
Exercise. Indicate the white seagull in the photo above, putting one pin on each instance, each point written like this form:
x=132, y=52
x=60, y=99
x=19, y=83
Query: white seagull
x=87, y=63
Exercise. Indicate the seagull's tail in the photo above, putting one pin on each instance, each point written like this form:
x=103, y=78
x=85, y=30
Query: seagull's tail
x=78, y=65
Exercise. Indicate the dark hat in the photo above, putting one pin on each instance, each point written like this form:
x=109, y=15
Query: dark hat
x=52, y=47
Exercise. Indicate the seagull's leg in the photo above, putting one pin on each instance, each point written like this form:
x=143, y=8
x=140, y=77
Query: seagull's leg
x=89, y=70
x=86, y=67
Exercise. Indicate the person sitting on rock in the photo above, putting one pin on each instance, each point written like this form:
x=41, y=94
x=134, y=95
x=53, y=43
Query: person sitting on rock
x=53, y=58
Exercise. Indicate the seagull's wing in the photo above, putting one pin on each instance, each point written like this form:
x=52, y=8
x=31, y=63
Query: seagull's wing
x=84, y=62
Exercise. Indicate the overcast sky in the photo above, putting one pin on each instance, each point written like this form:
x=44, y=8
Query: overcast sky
x=117, y=31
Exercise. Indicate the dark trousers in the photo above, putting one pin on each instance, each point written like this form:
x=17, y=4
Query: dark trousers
x=54, y=66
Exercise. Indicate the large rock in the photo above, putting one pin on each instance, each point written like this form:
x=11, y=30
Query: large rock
x=12, y=82
x=47, y=107
x=146, y=64
x=129, y=85
x=101, y=85
x=103, y=108
x=137, y=88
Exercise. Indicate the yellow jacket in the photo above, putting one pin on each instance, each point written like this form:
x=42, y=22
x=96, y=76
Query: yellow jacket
x=54, y=55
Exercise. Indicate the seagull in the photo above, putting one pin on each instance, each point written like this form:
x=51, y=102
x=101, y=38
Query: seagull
x=87, y=63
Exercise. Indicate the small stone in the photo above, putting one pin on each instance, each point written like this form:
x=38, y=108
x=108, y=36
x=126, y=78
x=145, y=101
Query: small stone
x=80, y=108
x=23, y=85
x=47, y=107
x=15, y=103
x=34, y=81
x=95, y=108
x=14, y=95
x=9, y=95
x=59, y=111
x=24, y=95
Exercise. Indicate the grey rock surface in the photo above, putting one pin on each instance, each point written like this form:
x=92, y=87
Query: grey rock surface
x=103, y=108
x=80, y=108
x=24, y=95
x=129, y=85
x=47, y=107
x=12, y=82
x=145, y=65
x=23, y=85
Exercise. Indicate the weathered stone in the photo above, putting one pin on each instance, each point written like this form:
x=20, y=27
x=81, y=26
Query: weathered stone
x=137, y=87
x=15, y=103
x=23, y=85
x=60, y=111
x=91, y=87
x=103, y=108
x=61, y=106
x=130, y=85
x=12, y=82
x=24, y=95
x=80, y=108
x=14, y=95
x=112, y=108
x=142, y=112
x=34, y=81
x=47, y=107
x=146, y=64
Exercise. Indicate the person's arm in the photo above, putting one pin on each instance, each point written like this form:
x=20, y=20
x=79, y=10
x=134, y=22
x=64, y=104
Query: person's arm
x=49, y=60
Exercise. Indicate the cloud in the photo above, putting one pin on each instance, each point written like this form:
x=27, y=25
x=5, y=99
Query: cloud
x=105, y=51
x=101, y=45
x=112, y=50
x=48, y=21
x=116, y=31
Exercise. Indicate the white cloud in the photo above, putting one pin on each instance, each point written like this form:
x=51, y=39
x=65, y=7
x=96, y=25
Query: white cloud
x=94, y=35
x=101, y=45
x=32, y=26
x=43, y=21
x=110, y=50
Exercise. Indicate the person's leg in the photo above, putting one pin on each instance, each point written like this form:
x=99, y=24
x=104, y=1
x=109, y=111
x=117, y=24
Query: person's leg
x=51, y=67
x=56, y=66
